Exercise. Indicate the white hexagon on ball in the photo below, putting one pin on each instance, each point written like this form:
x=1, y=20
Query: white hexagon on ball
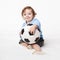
x=27, y=36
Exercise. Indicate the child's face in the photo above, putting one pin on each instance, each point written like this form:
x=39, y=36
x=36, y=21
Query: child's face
x=28, y=15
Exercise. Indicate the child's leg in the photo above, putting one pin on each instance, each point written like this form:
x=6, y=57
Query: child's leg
x=36, y=47
x=23, y=43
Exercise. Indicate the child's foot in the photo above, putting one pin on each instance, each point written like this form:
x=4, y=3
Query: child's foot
x=29, y=47
x=38, y=52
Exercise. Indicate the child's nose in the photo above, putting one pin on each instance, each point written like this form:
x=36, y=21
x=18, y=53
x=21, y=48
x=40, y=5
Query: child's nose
x=27, y=15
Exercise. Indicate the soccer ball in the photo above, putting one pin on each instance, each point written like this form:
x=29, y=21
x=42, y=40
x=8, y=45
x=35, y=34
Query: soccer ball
x=27, y=37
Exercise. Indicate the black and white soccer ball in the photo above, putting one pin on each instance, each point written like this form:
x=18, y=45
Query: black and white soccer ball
x=28, y=37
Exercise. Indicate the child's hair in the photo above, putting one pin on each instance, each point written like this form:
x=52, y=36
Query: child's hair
x=28, y=7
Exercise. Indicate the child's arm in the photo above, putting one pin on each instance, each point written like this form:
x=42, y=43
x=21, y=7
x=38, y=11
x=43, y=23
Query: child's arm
x=36, y=24
x=33, y=28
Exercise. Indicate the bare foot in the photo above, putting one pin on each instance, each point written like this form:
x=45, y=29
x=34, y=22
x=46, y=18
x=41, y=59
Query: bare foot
x=24, y=44
x=38, y=52
x=29, y=47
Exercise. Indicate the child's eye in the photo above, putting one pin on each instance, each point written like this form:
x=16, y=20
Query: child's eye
x=29, y=13
x=24, y=14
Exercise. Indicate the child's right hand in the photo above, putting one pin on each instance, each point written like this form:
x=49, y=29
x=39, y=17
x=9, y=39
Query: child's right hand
x=33, y=28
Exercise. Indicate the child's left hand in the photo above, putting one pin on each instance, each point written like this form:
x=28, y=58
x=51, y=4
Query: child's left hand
x=33, y=28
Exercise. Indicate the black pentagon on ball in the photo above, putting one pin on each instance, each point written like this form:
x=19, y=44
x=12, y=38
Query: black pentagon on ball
x=22, y=31
x=39, y=30
x=29, y=24
x=26, y=40
x=37, y=39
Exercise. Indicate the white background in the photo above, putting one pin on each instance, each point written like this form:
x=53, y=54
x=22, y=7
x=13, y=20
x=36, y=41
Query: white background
x=48, y=12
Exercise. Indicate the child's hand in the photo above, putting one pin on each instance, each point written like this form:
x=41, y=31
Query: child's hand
x=32, y=29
